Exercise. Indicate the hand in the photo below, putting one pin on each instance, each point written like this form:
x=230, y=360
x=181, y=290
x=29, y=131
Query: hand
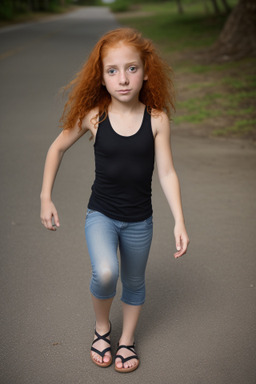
x=182, y=240
x=49, y=215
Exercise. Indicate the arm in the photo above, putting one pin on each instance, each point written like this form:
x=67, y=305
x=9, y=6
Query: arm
x=53, y=160
x=169, y=180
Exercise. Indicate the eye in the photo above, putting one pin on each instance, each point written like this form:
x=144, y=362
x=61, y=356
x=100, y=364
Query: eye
x=132, y=68
x=111, y=71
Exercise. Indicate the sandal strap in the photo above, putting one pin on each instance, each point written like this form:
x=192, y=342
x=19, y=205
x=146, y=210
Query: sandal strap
x=102, y=337
x=101, y=353
x=124, y=360
x=130, y=348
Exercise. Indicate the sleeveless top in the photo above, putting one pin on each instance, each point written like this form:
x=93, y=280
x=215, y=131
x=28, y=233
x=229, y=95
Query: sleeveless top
x=123, y=172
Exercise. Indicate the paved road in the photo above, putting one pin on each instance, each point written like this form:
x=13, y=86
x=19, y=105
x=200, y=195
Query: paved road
x=198, y=324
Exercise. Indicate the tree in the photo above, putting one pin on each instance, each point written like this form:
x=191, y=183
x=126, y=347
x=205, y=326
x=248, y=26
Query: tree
x=225, y=5
x=215, y=7
x=238, y=37
x=180, y=7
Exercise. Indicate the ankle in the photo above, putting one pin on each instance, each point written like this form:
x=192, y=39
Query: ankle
x=102, y=327
x=126, y=340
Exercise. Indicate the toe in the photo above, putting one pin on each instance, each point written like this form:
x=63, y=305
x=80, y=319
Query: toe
x=96, y=358
x=119, y=363
x=106, y=358
x=129, y=364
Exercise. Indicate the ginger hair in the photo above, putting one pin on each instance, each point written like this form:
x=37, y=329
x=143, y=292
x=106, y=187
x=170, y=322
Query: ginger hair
x=88, y=92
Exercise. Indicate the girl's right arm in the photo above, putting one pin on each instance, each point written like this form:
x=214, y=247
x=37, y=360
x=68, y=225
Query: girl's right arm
x=49, y=215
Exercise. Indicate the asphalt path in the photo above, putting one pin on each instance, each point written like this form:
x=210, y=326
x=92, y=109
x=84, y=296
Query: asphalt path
x=198, y=324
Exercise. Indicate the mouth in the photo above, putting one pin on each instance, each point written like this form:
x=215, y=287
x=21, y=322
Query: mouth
x=123, y=91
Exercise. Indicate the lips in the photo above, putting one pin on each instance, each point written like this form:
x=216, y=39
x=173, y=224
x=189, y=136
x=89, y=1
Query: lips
x=124, y=91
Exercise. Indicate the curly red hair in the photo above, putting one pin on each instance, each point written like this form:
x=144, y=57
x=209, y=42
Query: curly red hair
x=87, y=91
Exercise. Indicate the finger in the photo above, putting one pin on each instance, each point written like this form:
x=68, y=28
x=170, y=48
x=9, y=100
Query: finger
x=178, y=243
x=179, y=253
x=178, y=246
x=44, y=222
x=50, y=225
x=47, y=223
x=56, y=218
x=181, y=250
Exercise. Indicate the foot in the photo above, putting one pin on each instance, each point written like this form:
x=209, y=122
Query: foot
x=101, y=350
x=126, y=359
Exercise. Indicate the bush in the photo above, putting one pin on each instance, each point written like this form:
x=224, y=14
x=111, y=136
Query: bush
x=6, y=10
x=9, y=9
x=120, y=6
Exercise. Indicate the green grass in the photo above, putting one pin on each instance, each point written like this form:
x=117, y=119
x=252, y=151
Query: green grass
x=196, y=110
x=173, y=31
x=240, y=127
x=209, y=90
x=179, y=33
x=227, y=104
x=247, y=81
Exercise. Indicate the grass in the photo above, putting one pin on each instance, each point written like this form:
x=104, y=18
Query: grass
x=197, y=109
x=245, y=127
x=172, y=31
x=243, y=83
x=218, y=99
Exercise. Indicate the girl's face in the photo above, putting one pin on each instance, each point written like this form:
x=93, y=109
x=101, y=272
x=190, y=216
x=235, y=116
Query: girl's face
x=123, y=73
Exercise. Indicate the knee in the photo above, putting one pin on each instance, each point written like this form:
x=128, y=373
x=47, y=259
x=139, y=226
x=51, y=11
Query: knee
x=107, y=277
x=134, y=284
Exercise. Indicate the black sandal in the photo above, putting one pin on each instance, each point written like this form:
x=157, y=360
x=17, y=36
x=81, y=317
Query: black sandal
x=124, y=360
x=102, y=353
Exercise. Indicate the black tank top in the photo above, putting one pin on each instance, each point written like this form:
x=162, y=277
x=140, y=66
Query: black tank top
x=123, y=172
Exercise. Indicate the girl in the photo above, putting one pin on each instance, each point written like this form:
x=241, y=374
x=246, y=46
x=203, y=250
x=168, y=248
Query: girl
x=123, y=96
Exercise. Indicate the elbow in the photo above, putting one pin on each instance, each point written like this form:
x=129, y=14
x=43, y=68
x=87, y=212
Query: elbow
x=168, y=178
x=56, y=149
x=166, y=174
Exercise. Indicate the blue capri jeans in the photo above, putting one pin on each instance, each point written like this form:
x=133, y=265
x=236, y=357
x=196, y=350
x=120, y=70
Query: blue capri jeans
x=104, y=236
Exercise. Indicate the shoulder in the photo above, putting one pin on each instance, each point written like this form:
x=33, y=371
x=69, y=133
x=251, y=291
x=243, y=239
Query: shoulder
x=90, y=121
x=160, y=123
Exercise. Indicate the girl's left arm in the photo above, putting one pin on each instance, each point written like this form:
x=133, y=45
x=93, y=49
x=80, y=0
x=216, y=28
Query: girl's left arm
x=169, y=180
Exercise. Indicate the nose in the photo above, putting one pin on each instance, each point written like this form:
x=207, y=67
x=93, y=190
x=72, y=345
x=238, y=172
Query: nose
x=123, y=78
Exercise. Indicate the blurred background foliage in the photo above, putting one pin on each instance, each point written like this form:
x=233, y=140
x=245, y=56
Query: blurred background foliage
x=211, y=45
x=12, y=8
x=218, y=6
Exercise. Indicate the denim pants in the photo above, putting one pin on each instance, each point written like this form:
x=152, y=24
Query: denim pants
x=104, y=236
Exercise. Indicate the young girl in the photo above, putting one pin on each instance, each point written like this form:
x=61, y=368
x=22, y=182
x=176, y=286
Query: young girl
x=123, y=96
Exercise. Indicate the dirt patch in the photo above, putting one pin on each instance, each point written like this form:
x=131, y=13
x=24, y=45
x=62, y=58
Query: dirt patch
x=212, y=99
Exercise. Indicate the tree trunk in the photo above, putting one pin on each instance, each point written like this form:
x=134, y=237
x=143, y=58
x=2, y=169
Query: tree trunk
x=238, y=37
x=180, y=7
x=215, y=7
x=206, y=9
x=226, y=6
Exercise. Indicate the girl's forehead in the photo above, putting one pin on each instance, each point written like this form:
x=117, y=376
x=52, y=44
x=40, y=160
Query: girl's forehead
x=120, y=51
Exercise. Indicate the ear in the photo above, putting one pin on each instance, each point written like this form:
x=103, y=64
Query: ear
x=145, y=77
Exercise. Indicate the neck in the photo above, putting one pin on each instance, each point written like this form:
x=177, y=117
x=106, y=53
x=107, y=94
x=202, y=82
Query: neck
x=125, y=108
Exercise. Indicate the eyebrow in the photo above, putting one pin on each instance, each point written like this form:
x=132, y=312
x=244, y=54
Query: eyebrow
x=115, y=65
